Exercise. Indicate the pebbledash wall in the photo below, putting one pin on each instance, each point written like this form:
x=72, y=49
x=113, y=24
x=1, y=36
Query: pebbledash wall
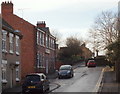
x=34, y=56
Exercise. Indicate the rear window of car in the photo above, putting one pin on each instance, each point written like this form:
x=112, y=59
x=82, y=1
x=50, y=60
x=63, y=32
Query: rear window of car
x=34, y=78
x=91, y=61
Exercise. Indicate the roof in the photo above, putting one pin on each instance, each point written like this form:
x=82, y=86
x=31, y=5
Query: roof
x=45, y=29
x=9, y=28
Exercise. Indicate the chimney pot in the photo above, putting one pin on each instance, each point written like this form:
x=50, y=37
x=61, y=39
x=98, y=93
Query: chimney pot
x=41, y=24
x=7, y=7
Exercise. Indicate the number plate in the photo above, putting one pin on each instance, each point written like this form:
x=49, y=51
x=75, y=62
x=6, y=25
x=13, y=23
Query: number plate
x=31, y=86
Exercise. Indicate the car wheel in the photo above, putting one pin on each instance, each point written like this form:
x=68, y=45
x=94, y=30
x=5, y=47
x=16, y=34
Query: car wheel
x=72, y=75
x=59, y=77
x=23, y=91
x=48, y=88
x=43, y=89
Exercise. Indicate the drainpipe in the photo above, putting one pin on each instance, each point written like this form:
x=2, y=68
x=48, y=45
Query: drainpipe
x=0, y=53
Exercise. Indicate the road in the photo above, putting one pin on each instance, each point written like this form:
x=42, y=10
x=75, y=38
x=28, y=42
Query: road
x=84, y=80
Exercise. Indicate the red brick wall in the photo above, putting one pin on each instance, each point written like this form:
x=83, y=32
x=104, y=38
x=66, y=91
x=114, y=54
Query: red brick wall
x=58, y=64
x=7, y=7
x=27, y=43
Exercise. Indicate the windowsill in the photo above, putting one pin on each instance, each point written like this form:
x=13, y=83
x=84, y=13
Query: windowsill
x=11, y=52
x=4, y=51
x=40, y=67
x=17, y=79
x=4, y=81
x=17, y=53
x=42, y=45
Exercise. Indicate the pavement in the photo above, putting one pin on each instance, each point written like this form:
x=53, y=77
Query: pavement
x=108, y=83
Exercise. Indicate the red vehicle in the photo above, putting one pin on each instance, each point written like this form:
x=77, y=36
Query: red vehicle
x=91, y=63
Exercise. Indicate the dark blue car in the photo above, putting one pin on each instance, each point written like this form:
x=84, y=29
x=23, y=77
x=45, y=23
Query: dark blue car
x=65, y=71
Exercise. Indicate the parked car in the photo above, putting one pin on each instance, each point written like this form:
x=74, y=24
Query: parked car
x=35, y=82
x=91, y=63
x=65, y=71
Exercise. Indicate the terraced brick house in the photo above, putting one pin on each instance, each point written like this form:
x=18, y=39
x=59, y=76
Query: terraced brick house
x=11, y=56
x=46, y=52
x=37, y=45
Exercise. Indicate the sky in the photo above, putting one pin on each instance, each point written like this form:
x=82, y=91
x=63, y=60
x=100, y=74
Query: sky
x=67, y=17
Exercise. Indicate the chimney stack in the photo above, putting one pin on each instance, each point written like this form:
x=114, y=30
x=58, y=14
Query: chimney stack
x=41, y=24
x=7, y=7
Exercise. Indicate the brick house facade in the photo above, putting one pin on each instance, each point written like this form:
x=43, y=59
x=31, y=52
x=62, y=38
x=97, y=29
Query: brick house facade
x=34, y=57
x=28, y=41
x=11, y=63
x=46, y=51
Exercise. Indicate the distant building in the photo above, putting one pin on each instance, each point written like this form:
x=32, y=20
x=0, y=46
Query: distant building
x=86, y=52
x=37, y=45
x=11, y=53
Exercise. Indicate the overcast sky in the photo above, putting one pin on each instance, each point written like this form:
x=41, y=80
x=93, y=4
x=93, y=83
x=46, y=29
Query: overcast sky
x=69, y=17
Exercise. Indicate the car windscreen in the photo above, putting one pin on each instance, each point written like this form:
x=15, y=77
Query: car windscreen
x=65, y=68
x=33, y=78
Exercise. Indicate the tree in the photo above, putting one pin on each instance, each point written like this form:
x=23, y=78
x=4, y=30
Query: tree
x=104, y=31
x=73, y=45
x=70, y=53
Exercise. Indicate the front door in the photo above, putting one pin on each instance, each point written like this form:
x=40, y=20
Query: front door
x=47, y=66
x=11, y=82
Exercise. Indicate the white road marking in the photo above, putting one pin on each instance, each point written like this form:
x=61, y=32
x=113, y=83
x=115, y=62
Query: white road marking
x=99, y=81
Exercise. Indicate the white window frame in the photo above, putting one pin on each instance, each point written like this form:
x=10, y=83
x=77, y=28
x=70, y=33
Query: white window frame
x=11, y=42
x=4, y=40
x=47, y=41
x=38, y=60
x=3, y=69
x=42, y=39
x=53, y=44
x=17, y=45
x=17, y=72
x=37, y=37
